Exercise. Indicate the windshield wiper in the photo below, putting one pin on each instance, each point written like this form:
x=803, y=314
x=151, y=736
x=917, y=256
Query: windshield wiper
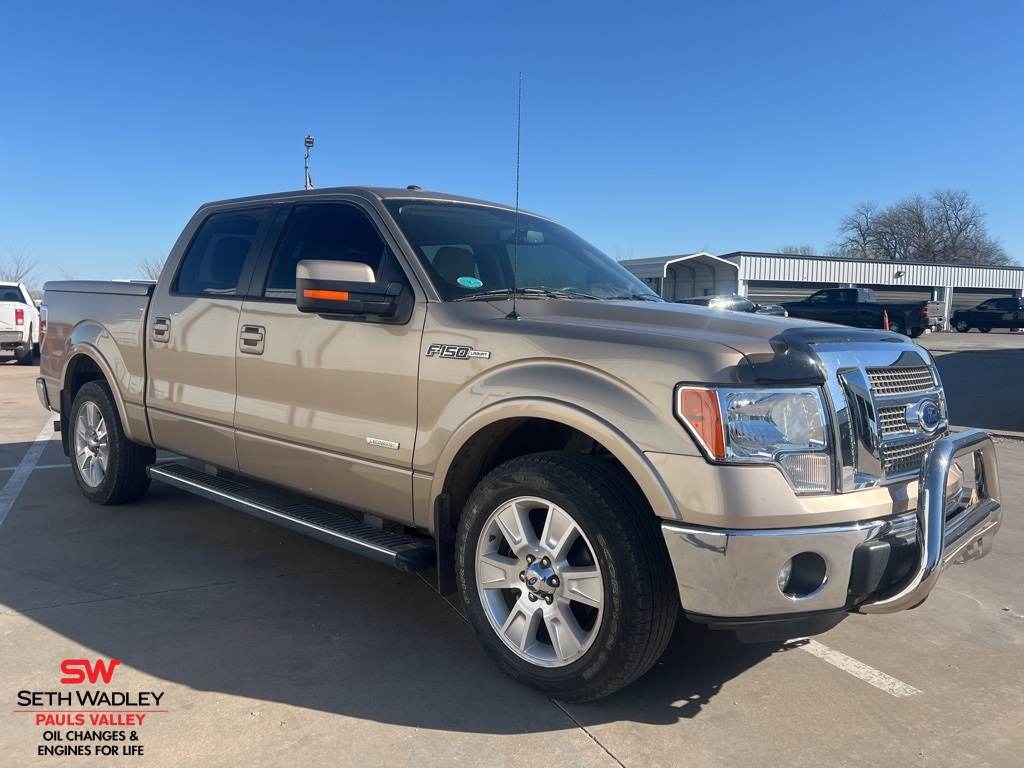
x=547, y=293
x=637, y=297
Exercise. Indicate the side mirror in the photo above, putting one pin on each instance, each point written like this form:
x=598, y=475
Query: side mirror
x=344, y=288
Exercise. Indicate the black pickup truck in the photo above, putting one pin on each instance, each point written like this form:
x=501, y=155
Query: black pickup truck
x=1002, y=312
x=857, y=307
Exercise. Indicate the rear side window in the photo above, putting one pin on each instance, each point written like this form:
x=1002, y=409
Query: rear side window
x=214, y=261
x=323, y=231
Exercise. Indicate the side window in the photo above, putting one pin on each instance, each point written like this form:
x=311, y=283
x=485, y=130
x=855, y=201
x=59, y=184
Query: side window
x=825, y=297
x=325, y=231
x=214, y=261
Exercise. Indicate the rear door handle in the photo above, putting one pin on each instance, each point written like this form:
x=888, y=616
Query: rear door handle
x=161, y=329
x=250, y=340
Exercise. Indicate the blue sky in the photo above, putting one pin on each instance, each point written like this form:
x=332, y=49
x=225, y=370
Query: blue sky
x=649, y=128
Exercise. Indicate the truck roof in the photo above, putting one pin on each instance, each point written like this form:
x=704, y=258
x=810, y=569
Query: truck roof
x=368, y=193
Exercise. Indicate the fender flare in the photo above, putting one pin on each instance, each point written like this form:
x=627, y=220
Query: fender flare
x=79, y=349
x=624, y=449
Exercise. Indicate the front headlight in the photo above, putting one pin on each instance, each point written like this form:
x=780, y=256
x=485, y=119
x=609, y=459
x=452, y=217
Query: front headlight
x=785, y=427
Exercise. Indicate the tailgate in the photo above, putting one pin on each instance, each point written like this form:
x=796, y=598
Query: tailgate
x=7, y=315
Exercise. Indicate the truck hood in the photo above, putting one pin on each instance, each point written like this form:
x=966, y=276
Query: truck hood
x=766, y=349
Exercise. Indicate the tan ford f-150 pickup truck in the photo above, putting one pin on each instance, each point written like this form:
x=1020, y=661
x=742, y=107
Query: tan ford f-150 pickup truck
x=439, y=382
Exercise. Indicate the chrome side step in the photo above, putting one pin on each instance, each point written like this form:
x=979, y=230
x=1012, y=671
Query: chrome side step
x=402, y=552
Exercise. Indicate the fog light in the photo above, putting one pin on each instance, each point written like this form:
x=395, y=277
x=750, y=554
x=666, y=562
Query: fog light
x=784, y=574
x=806, y=576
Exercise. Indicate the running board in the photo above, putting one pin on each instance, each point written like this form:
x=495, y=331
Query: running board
x=402, y=552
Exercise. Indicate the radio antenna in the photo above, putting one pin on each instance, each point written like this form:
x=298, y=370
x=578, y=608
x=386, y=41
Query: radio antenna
x=513, y=315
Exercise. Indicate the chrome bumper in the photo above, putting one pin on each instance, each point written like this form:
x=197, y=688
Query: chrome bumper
x=967, y=536
x=733, y=574
x=44, y=396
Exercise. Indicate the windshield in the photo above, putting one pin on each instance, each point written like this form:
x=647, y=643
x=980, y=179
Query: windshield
x=470, y=251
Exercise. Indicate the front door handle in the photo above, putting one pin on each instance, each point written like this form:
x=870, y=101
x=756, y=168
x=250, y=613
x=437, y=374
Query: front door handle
x=250, y=340
x=161, y=329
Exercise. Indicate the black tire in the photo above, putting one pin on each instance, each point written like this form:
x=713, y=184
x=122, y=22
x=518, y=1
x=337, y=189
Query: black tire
x=984, y=328
x=896, y=325
x=24, y=354
x=109, y=468
x=962, y=326
x=614, y=538
x=916, y=333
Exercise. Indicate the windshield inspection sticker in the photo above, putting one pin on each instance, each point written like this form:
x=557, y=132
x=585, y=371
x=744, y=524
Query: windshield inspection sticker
x=470, y=282
x=455, y=352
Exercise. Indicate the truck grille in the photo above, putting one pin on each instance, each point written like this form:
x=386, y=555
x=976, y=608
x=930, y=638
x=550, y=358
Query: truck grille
x=886, y=382
x=892, y=420
x=903, y=458
x=880, y=400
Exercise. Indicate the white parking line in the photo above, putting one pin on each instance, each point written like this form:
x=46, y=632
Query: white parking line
x=37, y=466
x=13, y=487
x=880, y=680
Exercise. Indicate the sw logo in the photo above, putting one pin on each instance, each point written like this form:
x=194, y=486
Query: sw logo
x=77, y=670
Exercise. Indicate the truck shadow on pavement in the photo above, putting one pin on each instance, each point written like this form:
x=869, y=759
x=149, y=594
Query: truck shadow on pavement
x=199, y=595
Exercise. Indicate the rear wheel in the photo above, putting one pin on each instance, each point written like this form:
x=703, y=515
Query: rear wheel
x=916, y=332
x=896, y=325
x=962, y=326
x=24, y=354
x=108, y=467
x=564, y=577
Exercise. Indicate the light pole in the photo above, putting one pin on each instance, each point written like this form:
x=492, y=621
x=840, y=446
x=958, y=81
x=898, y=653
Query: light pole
x=309, y=146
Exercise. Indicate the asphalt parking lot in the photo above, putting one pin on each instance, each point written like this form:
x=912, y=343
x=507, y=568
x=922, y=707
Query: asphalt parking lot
x=268, y=648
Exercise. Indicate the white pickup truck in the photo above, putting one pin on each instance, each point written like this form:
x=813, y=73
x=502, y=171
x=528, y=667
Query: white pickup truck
x=19, y=322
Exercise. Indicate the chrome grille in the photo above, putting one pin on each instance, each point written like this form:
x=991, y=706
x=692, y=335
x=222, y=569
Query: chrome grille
x=873, y=389
x=904, y=458
x=892, y=420
x=886, y=382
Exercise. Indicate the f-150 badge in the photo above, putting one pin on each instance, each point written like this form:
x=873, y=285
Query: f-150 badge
x=455, y=351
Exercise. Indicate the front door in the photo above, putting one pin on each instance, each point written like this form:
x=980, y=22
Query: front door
x=327, y=405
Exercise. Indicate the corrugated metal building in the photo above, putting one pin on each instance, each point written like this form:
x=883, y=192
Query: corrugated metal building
x=774, y=277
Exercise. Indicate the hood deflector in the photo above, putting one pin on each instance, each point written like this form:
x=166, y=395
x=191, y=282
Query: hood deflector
x=793, y=361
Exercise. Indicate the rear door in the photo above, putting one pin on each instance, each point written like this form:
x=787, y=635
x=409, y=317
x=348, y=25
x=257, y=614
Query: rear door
x=327, y=405
x=192, y=332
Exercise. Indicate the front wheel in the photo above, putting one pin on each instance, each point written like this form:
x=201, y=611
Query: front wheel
x=984, y=328
x=962, y=326
x=108, y=467
x=564, y=576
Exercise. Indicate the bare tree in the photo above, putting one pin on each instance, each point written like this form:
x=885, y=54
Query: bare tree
x=798, y=250
x=945, y=227
x=150, y=265
x=19, y=266
x=856, y=232
x=622, y=254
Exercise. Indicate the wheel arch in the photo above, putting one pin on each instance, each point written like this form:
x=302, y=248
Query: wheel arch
x=85, y=363
x=528, y=425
